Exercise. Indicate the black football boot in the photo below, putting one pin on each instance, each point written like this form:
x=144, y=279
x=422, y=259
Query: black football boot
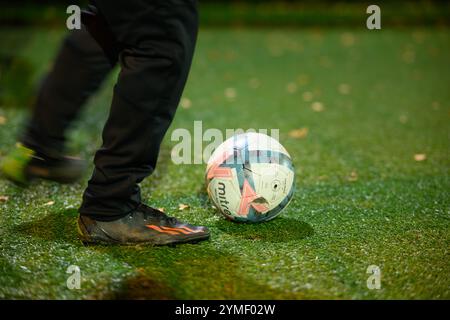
x=144, y=225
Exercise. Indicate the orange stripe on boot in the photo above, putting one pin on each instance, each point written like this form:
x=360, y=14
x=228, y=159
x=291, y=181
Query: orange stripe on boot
x=151, y=226
x=176, y=229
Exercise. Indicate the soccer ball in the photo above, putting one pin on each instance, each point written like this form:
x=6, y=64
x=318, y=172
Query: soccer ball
x=250, y=178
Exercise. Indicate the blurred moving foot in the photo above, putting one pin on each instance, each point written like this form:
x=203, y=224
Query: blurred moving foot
x=24, y=164
x=143, y=225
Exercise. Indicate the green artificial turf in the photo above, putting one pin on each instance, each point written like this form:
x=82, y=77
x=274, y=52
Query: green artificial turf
x=376, y=99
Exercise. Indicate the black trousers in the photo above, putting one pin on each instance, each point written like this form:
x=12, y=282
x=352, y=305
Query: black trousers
x=156, y=40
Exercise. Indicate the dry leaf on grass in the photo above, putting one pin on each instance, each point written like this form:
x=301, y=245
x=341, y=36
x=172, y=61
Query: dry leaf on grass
x=307, y=96
x=4, y=198
x=50, y=203
x=408, y=56
x=403, y=118
x=183, y=206
x=185, y=103
x=344, y=88
x=230, y=93
x=317, y=106
x=291, y=87
x=353, y=176
x=161, y=209
x=2, y=120
x=436, y=105
x=347, y=39
x=298, y=133
x=420, y=156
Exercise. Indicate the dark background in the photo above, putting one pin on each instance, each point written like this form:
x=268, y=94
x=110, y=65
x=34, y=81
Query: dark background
x=16, y=81
x=257, y=12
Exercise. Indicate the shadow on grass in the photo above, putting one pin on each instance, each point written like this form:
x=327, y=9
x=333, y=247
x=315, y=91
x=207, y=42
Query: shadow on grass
x=189, y=271
x=202, y=195
x=140, y=287
x=57, y=226
x=279, y=229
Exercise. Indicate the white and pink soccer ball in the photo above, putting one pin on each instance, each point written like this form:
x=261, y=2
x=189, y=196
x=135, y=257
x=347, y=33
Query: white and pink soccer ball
x=250, y=178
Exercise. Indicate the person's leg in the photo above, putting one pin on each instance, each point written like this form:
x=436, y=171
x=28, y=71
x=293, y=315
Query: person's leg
x=79, y=69
x=158, y=38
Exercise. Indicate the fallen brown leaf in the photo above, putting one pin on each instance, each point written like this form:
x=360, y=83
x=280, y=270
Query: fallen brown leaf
x=140, y=270
x=50, y=203
x=408, y=56
x=344, y=88
x=420, y=156
x=353, y=176
x=307, y=96
x=183, y=206
x=185, y=103
x=435, y=105
x=403, y=118
x=230, y=93
x=4, y=198
x=317, y=106
x=347, y=39
x=298, y=133
x=291, y=87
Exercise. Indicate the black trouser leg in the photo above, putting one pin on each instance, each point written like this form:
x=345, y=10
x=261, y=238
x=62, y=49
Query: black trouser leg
x=159, y=38
x=78, y=70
